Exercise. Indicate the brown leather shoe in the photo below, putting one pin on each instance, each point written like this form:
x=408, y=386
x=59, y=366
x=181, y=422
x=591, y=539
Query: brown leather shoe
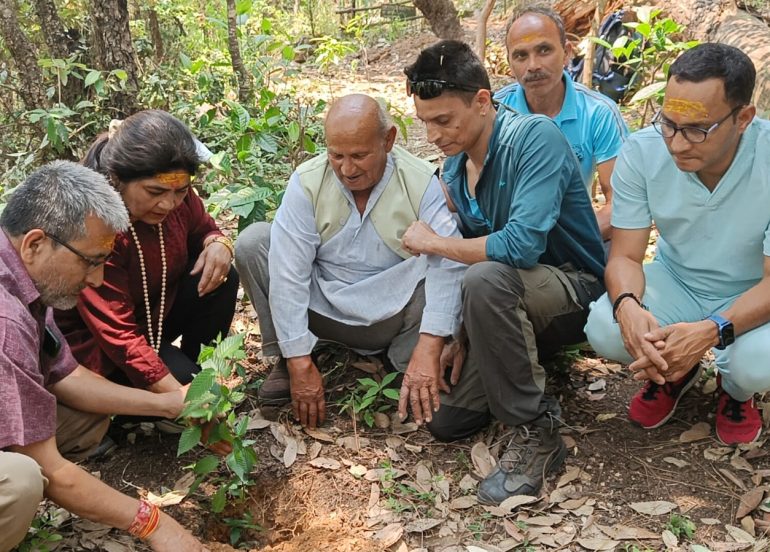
x=276, y=389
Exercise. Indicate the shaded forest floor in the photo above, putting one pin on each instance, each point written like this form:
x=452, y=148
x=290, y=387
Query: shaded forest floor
x=359, y=489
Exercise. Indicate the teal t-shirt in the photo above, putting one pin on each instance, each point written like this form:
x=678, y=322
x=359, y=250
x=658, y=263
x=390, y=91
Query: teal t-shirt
x=591, y=122
x=716, y=242
x=530, y=197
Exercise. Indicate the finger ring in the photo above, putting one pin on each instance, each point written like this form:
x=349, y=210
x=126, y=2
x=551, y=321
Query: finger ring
x=223, y=279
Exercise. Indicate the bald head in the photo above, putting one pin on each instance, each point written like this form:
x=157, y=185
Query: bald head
x=358, y=109
x=359, y=136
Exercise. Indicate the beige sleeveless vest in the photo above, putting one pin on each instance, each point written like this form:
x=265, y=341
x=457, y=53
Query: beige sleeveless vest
x=395, y=210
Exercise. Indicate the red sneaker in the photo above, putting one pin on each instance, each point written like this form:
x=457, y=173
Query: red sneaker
x=654, y=404
x=737, y=422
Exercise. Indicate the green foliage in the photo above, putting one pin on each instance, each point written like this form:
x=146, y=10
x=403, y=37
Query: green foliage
x=370, y=397
x=650, y=54
x=681, y=526
x=239, y=525
x=212, y=399
x=400, y=496
x=42, y=535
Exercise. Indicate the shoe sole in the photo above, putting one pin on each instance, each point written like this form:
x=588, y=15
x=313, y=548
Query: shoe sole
x=556, y=460
x=753, y=439
x=686, y=388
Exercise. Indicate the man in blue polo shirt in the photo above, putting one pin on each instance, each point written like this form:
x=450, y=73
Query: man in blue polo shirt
x=536, y=259
x=700, y=174
x=537, y=53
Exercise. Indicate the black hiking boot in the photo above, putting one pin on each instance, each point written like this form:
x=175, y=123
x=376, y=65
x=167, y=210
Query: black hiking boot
x=532, y=453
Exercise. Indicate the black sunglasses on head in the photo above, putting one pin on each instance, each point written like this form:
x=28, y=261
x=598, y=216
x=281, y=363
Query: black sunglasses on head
x=427, y=89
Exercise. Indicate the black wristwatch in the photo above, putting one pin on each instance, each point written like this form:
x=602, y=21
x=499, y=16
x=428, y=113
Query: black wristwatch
x=725, y=330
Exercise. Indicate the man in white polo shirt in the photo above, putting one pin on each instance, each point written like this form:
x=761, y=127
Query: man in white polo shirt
x=700, y=174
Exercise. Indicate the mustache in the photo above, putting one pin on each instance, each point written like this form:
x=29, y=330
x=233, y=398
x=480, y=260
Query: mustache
x=540, y=75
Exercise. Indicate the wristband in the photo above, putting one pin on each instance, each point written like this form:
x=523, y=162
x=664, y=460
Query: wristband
x=227, y=242
x=146, y=520
x=619, y=299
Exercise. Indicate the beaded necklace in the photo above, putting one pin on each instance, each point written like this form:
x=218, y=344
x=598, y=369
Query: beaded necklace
x=155, y=344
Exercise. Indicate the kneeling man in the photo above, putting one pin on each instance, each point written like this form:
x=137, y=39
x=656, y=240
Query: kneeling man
x=335, y=266
x=700, y=174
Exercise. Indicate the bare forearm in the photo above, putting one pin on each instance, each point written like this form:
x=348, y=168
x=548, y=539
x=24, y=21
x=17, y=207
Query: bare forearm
x=624, y=275
x=603, y=217
x=751, y=309
x=84, y=390
x=468, y=251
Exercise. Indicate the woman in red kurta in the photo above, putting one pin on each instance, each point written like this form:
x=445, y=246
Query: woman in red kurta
x=173, y=262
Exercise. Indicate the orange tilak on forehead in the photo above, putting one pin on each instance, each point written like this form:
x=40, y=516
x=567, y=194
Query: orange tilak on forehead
x=176, y=179
x=531, y=38
x=107, y=242
x=686, y=108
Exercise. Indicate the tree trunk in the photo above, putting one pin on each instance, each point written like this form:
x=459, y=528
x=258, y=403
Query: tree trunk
x=244, y=85
x=753, y=37
x=442, y=16
x=113, y=49
x=588, y=63
x=157, y=38
x=61, y=45
x=481, y=28
x=24, y=53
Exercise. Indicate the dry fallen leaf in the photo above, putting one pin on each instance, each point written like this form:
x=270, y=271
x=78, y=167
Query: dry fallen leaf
x=676, y=462
x=512, y=502
x=626, y=532
x=166, y=499
x=467, y=483
x=389, y=535
x=374, y=496
x=605, y=417
x=422, y=525
x=319, y=435
x=710, y=521
x=357, y=470
x=732, y=477
x=423, y=477
x=669, y=539
x=697, y=432
x=716, y=453
x=257, y=421
x=482, y=460
x=378, y=474
x=598, y=543
x=740, y=463
x=571, y=474
x=654, y=507
x=739, y=534
x=381, y=420
x=513, y=530
x=747, y=524
x=314, y=450
x=750, y=501
x=325, y=463
x=463, y=502
x=290, y=452
x=598, y=385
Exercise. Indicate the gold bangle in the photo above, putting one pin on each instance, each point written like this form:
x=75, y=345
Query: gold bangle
x=227, y=242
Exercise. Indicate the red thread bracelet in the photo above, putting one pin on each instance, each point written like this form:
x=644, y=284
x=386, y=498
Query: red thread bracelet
x=146, y=520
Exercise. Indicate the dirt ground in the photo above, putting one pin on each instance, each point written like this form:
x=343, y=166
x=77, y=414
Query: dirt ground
x=361, y=489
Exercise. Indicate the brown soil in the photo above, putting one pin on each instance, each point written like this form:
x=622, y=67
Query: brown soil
x=305, y=508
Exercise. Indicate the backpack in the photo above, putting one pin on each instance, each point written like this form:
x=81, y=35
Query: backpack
x=609, y=77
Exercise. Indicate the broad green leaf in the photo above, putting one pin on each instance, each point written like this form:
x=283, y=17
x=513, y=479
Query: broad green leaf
x=388, y=379
x=293, y=130
x=206, y=465
x=189, y=438
x=392, y=394
x=368, y=382
x=218, y=502
x=121, y=74
x=649, y=91
x=92, y=77
x=201, y=384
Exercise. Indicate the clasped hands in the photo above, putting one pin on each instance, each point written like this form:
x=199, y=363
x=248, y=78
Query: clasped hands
x=662, y=353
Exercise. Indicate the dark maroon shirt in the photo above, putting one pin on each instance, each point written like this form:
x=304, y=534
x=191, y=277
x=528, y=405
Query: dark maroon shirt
x=108, y=329
x=27, y=408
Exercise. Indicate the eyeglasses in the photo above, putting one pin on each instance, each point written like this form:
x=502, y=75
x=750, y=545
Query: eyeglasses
x=92, y=262
x=694, y=135
x=427, y=89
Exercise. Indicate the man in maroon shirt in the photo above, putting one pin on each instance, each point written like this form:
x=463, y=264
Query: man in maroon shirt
x=55, y=235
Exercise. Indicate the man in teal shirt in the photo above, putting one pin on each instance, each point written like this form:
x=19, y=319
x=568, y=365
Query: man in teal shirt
x=536, y=259
x=537, y=52
x=700, y=174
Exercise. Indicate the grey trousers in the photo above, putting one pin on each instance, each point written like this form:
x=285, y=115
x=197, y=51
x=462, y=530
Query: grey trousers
x=397, y=334
x=513, y=317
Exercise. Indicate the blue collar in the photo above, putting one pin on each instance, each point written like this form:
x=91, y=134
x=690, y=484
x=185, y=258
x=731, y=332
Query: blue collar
x=568, y=107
